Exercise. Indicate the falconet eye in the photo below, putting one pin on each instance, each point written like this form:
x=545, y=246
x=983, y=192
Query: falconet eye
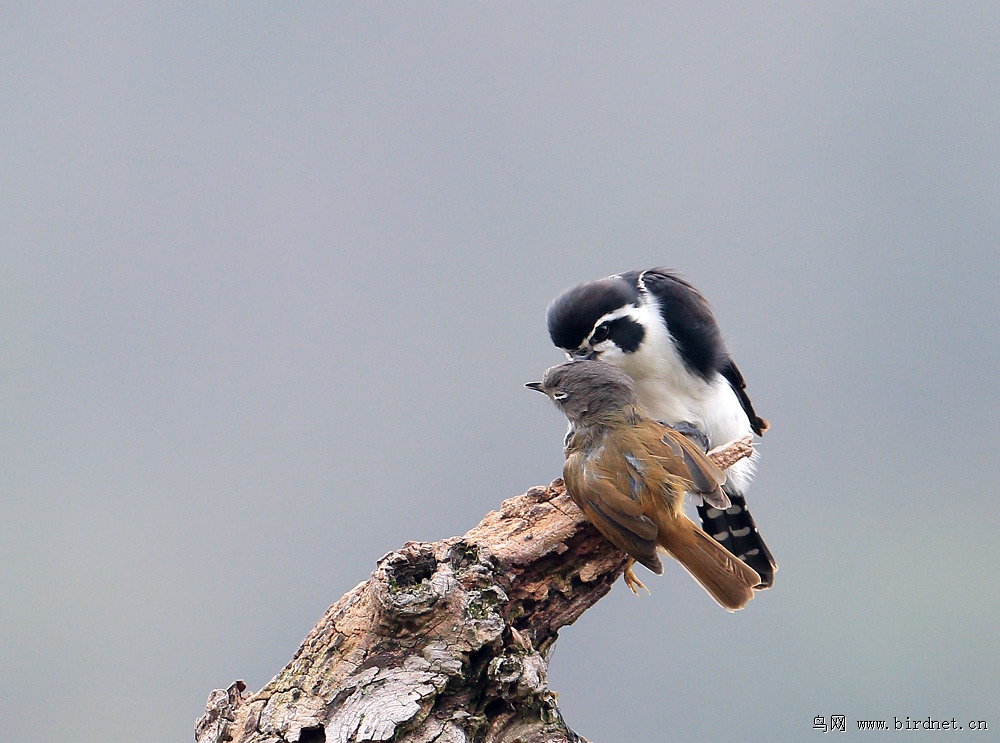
x=601, y=334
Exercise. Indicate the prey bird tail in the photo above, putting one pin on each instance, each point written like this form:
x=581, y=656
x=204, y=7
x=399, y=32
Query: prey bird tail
x=734, y=529
x=728, y=580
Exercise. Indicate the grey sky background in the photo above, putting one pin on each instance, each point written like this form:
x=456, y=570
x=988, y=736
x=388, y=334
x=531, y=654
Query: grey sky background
x=273, y=276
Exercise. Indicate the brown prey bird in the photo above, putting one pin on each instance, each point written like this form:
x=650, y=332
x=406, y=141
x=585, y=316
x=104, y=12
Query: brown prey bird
x=628, y=474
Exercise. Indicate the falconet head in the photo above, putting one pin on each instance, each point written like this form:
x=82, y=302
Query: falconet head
x=602, y=319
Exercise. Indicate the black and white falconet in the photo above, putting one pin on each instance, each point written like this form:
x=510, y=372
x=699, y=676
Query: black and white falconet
x=658, y=329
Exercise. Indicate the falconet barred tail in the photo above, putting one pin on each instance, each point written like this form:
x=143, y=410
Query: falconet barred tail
x=734, y=529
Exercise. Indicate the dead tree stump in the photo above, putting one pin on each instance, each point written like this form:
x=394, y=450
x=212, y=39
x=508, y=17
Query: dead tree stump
x=446, y=641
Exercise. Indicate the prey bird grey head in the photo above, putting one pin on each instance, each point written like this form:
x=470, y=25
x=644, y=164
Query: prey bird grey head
x=586, y=391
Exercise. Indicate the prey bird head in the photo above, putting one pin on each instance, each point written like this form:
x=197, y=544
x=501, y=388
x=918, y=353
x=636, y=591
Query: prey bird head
x=587, y=391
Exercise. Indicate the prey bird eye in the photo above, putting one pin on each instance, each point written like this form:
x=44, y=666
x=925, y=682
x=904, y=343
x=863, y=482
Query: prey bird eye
x=559, y=396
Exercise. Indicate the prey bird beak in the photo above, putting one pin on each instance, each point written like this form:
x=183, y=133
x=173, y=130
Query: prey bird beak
x=536, y=386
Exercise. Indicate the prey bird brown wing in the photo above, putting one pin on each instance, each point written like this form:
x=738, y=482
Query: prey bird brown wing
x=685, y=468
x=619, y=517
x=706, y=479
x=631, y=486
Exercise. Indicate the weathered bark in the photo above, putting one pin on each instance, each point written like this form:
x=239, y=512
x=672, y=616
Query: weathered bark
x=446, y=641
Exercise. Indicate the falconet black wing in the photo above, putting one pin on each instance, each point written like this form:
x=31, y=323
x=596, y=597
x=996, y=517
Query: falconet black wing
x=692, y=325
x=689, y=320
x=735, y=379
